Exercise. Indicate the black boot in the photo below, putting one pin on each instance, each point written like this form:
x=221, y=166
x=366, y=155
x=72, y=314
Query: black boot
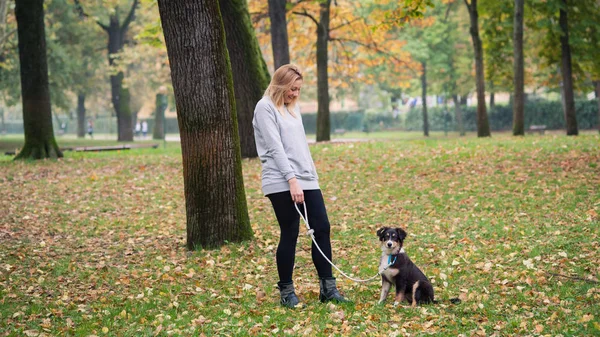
x=288, y=295
x=329, y=291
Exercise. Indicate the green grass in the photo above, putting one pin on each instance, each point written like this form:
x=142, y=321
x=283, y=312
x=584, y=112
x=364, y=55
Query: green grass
x=94, y=243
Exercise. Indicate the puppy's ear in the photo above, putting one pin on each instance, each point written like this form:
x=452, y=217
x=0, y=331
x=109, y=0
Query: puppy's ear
x=380, y=232
x=401, y=233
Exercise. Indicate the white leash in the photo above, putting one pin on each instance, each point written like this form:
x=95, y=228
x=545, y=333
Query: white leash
x=311, y=232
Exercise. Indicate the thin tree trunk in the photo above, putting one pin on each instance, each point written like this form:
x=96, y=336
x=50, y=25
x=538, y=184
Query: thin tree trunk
x=81, y=115
x=567, y=74
x=159, y=115
x=37, y=115
x=3, y=128
x=323, y=122
x=216, y=210
x=483, y=126
x=279, y=35
x=492, y=96
x=120, y=96
x=519, y=75
x=424, y=99
x=458, y=113
x=250, y=73
x=597, y=89
x=3, y=11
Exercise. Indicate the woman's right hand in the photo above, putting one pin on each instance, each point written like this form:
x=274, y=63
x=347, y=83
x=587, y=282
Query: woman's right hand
x=296, y=191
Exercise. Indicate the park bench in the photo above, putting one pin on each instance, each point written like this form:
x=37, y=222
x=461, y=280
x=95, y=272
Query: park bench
x=109, y=148
x=537, y=128
x=99, y=148
x=339, y=131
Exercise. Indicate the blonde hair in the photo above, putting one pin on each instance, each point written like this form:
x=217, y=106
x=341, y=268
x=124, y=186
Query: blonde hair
x=282, y=81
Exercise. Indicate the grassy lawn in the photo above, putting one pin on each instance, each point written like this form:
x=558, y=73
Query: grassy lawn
x=94, y=244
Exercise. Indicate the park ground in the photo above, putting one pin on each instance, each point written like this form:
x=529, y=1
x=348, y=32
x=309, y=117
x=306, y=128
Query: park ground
x=94, y=243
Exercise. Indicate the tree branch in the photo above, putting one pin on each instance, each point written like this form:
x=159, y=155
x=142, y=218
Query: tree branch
x=305, y=13
x=468, y=6
x=575, y=278
x=5, y=37
x=374, y=48
x=256, y=17
x=83, y=14
x=345, y=24
x=447, y=12
x=130, y=16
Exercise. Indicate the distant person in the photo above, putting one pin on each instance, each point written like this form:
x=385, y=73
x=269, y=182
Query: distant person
x=138, y=129
x=289, y=177
x=90, y=129
x=144, y=129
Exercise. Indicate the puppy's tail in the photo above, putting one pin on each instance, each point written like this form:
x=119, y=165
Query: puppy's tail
x=454, y=300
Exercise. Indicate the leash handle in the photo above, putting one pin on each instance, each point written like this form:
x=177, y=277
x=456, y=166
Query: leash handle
x=311, y=232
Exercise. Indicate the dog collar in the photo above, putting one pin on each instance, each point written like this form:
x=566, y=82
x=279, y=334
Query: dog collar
x=390, y=262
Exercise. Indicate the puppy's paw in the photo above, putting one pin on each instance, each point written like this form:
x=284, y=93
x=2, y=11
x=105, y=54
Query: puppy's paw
x=396, y=304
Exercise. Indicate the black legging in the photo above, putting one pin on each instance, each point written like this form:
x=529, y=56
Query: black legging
x=289, y=222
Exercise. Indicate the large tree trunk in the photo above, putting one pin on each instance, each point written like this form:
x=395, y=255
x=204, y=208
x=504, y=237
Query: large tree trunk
x=250, y=73
x=458, y=113
x=483, y=126
x=323, y=122
x=424, y=99
x=81, y=115
x=159, y=115
x=216, y=209
x=519, y=75
x=37, y=115
x=567, y=74
x=279, y=35
x=597, y=88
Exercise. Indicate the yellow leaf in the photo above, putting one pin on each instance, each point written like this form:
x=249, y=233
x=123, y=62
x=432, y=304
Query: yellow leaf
x=586, y=318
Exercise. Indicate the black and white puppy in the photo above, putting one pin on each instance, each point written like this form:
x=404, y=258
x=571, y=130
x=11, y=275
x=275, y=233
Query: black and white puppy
x=397, y=269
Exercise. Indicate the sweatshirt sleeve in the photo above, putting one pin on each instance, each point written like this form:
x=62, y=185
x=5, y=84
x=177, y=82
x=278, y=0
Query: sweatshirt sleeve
x=268, y=130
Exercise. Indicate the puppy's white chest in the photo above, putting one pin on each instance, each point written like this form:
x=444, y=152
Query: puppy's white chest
x=384, y=269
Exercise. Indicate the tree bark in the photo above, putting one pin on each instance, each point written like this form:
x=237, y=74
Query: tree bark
x=519, y=72
x=323, y=122
x=597, y=90
x=567, y=74
x=37, y=115
x=3, y=11
x=458, y=113
x=3, y=123
x=81, y=115
x=483, y=126
x=216, y=210
x=250, y=73
x=424, y=99
x=159, y=116
x=119, y=95
x=279, y=35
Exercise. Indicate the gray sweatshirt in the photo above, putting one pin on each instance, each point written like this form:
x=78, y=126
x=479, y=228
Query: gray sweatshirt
x=282, y=149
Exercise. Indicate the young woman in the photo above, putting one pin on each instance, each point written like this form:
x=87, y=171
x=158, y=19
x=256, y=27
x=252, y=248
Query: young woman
x=289, y=176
